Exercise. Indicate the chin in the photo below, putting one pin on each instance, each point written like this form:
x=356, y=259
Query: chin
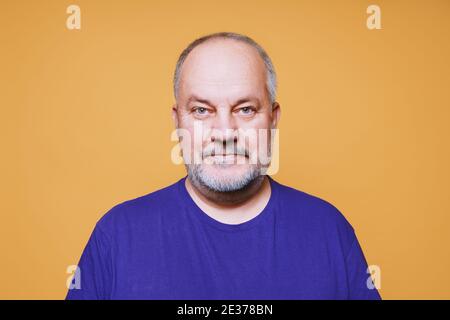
x=232, y=176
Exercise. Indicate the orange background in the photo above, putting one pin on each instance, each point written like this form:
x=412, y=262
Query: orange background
x=85, y=123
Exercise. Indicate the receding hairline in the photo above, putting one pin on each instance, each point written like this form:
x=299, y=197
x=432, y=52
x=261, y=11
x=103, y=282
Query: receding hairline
x=219, y=41
x=271, y=81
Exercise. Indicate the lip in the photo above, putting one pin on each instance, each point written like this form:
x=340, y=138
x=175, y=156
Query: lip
x=227, y=159
x=227, y=155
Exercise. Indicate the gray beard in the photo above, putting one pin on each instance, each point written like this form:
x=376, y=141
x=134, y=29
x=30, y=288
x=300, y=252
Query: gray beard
x=202, y=180
x=230, y=192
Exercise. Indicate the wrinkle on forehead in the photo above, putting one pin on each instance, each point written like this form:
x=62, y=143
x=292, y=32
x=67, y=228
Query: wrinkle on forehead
x=223, y=67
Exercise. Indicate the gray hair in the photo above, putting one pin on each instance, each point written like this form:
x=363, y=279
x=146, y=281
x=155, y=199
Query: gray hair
x=271, y=81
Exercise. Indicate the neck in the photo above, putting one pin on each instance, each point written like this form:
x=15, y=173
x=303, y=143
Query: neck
x=232, y=207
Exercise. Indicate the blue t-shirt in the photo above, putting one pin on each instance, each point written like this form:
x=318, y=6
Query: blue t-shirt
x=163, y=246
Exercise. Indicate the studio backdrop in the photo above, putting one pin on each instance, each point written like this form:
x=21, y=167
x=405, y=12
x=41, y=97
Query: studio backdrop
x=86, y=96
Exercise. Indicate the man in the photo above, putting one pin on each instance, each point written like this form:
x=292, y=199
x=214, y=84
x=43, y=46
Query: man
x=226, y=230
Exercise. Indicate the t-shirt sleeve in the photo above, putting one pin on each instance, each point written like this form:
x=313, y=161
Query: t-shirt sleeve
x=360, y=284
x=95, y=269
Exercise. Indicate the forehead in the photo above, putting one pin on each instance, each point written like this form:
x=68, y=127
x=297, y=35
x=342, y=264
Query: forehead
x=223, y=69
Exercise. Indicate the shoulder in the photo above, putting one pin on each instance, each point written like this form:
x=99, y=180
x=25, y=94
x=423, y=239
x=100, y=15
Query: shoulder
x=312, y=212
x=139, y=211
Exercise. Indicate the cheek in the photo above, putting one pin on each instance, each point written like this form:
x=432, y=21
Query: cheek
x=260, y=121
x=186, y=138
x=257, y=133
x=193, y=141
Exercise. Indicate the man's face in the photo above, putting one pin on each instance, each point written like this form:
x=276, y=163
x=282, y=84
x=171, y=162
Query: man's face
x=222, y=91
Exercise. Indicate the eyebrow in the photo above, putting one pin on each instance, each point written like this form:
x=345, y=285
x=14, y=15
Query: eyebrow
x=205, y=101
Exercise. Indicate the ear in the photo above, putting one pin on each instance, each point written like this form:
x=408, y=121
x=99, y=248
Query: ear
x=276, y=114
x=175, y=115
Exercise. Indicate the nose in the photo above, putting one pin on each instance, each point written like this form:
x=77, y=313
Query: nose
x=224, y=128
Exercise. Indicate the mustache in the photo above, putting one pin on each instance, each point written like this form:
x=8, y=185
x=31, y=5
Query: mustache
x=213, y=150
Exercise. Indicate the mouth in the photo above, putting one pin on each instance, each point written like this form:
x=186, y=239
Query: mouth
x=227, y=155
x=226, y=158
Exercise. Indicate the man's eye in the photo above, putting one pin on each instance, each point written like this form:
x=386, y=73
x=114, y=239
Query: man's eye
x=201, y=110
x=246, y=110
